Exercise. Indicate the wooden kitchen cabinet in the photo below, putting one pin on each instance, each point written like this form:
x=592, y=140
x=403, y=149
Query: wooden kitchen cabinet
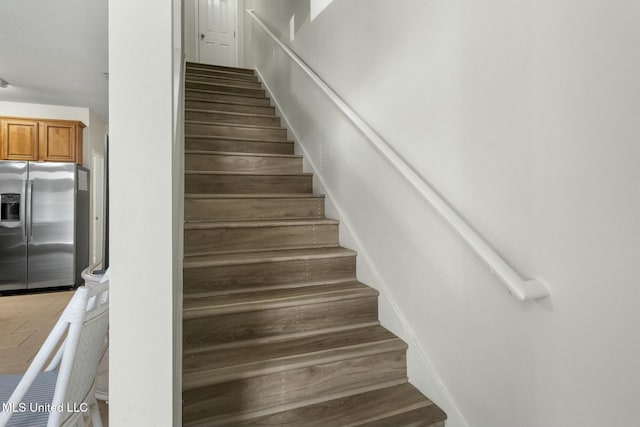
x=19, y=139
x=41, y=140
x=60, y=141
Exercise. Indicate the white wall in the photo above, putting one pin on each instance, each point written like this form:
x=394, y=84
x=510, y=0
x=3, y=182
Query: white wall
x=523, y=115
x=45, y=111
x=191, y=30
x=92, y=136
x=143, y=329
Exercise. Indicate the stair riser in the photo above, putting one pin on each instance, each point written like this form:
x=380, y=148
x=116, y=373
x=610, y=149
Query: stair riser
x=234, y=209
x=257, y=147
x=207, y=332
x=196, y=73
x=232, y=118
x=266, y=392
x=259, y=238
x=235, y=132
x=229, y=184
x=224, y=87
x=228, y=97
x=269, y=274
x=224, y=81
x=222, y=68
x=257, y=164
x=234, y=108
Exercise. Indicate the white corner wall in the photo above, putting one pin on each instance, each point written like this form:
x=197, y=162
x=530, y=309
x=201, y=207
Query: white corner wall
x=191, y=30
x=144, y=318
x=523, y=115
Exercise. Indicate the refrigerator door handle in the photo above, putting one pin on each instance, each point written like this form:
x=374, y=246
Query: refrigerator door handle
x=23, y=211
x=30, y=208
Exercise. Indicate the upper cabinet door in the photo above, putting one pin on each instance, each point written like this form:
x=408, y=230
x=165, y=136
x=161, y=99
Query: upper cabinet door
x=58, y=142
x=41, y=140
x=19, y=139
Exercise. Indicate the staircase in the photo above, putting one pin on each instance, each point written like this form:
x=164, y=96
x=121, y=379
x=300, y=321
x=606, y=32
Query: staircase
x=277, y=329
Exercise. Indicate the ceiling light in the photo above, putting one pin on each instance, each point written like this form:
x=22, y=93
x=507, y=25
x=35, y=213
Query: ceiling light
x=3, y=83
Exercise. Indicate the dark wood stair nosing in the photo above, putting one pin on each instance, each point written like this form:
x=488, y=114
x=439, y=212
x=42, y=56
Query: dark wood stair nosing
x=231, y=113
x=257, y=223
x=216, y=101
x=199, y=172
x=233, y=125
x=239, y=139
x=221, y=74
x=241, y=70
x=256, y=288
x=292, y=196
x=240, y=251
x=217, y=92
x=187, y=99
x=241, y=154
x=187, y=81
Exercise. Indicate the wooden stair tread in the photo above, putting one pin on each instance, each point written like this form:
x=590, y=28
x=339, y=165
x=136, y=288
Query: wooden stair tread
x=228, y=364
x=215, y=76
x=230, y=85
x=229, y=113
x=211, y=260
x=240, y=139
x=233, y=125
x=196, y=172
x=254, y=196
x=217, y=92
x=221, y=74
x=219, y=67
x=187, y=98
x=380, y=406
x=251, y=288
x=233, y=153
x=247, y=223
x=274, y=298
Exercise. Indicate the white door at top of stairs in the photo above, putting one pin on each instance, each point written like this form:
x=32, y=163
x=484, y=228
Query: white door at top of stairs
x=217, y=30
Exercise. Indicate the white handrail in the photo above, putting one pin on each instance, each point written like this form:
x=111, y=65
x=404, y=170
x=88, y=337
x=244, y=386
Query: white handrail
x=522, y=289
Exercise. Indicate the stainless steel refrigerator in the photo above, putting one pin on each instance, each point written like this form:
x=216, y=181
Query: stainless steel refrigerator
x=44, y=224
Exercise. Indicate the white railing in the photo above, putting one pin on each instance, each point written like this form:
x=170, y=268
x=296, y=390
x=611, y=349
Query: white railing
x=522, y=289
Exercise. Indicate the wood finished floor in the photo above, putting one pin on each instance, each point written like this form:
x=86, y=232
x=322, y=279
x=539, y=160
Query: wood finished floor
x=25, y=322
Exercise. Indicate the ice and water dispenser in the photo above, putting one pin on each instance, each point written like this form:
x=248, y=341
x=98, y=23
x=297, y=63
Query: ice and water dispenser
x=9, y=207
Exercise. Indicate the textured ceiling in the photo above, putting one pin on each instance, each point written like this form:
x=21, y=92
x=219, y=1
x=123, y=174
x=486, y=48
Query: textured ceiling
x=55, y=52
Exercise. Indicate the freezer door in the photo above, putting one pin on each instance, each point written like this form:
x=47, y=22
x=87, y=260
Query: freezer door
x=50, y=230
x=13, y=241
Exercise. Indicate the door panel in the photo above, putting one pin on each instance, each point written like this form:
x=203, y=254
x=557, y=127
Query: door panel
x=51, y=231
x=217, y=28
x=57, y=142
x=20, y=139
x=13, y=244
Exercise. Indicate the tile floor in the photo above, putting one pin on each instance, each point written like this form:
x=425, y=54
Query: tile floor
x=25, y=322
